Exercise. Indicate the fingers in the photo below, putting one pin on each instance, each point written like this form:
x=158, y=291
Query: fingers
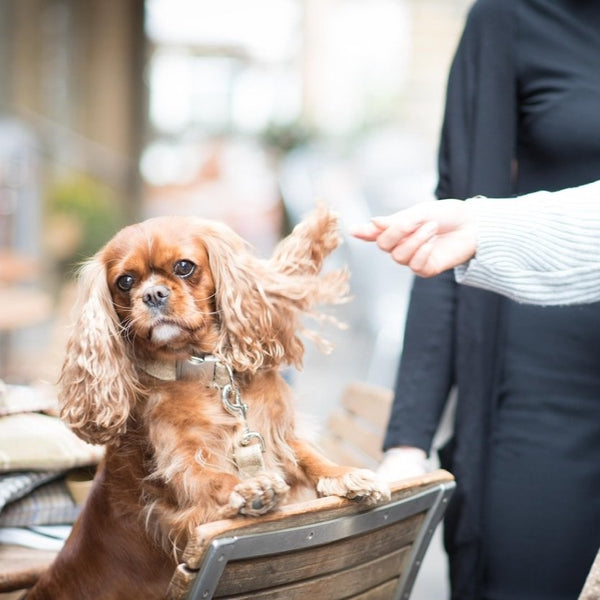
x=389, y=230
x=421, y=262
x=403, y=247
x=368, y=232
x=405, y=232
x=409, y=243
x=428, y=237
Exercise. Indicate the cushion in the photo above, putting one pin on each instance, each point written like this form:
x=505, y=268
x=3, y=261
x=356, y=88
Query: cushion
x=16, y=485
x=35, y=441
x=49, y=504
x=25, y=398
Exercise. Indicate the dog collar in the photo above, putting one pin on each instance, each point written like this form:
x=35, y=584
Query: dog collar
x=163, y=370
x=174, y=370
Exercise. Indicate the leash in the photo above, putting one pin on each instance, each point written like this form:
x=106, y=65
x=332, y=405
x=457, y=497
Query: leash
x=250, y=447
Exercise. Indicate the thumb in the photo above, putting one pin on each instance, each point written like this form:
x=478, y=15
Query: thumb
x=365, y=231
x=381, y=223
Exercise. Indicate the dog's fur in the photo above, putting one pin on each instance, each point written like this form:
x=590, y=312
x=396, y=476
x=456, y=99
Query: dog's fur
x=195, y=290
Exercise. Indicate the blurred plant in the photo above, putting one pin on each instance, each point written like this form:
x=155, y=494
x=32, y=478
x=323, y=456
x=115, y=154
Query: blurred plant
x=282, y=139
x=82, y=215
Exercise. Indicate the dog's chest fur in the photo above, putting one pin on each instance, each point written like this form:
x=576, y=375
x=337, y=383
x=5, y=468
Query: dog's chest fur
x=187, y=423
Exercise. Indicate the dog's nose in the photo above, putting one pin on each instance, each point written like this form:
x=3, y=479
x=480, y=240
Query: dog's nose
x=156, y=296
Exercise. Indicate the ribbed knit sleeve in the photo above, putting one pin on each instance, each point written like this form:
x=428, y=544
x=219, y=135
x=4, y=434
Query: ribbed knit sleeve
x=542, y=248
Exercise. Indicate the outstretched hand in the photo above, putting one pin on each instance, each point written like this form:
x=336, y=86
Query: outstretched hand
x=429, y=237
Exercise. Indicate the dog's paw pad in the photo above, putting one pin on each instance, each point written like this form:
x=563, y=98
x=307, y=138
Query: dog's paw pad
x=257, y=504
x=261, y=494
x=360, y=485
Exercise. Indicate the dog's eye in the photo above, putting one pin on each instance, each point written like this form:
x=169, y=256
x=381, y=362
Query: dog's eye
x=125, y=282
x=184, y=268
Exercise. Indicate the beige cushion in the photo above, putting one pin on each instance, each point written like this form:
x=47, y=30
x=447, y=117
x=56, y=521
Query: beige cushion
x=32, y=441
x=27, y=398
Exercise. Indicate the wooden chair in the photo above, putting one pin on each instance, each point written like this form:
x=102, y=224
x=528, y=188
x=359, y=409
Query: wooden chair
x=325, y=549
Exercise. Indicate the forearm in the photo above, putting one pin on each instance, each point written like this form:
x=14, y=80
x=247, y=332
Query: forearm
x=425, y=372
x=541, y=248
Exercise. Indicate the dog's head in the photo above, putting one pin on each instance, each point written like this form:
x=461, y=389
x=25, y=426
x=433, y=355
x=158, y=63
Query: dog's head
x=173, y=287
x=162, y=288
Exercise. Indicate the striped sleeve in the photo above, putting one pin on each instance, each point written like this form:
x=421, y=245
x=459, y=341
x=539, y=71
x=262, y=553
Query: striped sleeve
x=542, y=248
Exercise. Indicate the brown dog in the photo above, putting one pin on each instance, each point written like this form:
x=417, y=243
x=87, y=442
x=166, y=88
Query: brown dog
x=173, y=364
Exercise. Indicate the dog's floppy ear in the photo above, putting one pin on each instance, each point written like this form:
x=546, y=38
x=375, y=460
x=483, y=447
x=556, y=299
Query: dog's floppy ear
x=310, y=243
x=98, y=382
x=261, y=303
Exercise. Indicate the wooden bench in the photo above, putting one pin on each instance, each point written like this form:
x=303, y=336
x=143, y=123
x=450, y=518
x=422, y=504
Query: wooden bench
x=355, y=428
x=20, y=567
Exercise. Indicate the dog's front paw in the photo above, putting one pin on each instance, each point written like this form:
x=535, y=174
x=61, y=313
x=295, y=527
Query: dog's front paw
x=361, y=485
x=258, y=495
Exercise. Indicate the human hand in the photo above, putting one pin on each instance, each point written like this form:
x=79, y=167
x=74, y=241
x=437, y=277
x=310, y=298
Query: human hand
x=403, y=462
x=429, y=237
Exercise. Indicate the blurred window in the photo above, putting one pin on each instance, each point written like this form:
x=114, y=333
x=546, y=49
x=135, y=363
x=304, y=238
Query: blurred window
x=224, y=67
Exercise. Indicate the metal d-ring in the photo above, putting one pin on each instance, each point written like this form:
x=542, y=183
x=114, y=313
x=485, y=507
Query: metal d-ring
x=248, y=436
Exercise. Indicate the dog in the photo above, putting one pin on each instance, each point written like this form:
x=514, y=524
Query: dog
x=174, y=365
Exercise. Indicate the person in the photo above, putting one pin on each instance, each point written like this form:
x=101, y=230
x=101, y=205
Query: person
x=521, y=115
x=542, y=248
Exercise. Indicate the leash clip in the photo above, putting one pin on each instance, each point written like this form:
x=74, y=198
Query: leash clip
x=231, y=400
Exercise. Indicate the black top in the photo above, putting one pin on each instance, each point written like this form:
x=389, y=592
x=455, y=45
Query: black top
x=543, y=474
x=558, y=145
x=558, y=93
x=524, y=89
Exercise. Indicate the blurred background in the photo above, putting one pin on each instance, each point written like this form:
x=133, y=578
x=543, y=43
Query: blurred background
x=112, y=111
